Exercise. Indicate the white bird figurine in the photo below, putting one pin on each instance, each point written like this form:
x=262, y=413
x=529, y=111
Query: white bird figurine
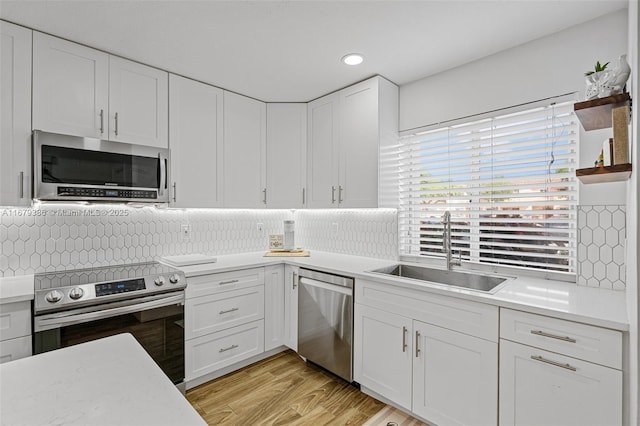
x=616, y=79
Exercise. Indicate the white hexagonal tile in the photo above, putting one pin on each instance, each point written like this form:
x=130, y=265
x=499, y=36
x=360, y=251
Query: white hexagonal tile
x=592, y=219
x=599, y=270
x=593, y=253
x=586, y=269
x=618, y=219
x=598, y=237
x=613, y=272
x=606, y=254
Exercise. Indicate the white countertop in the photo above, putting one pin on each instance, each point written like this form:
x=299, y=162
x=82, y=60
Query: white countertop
x=16, y=289
x=601, y=307
x=110, y=381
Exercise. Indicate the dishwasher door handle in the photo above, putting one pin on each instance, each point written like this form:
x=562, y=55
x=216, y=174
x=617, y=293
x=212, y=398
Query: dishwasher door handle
x=326, y=286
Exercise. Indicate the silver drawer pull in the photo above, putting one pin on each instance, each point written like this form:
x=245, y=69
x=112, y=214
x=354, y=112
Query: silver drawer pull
x=557, y=364
x=228, y=349
x=228, y=282
x=229, y=310
x=553, y=336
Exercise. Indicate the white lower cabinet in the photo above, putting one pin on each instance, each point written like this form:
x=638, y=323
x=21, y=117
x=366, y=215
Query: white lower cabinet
x=15, y=331
x=557, y=372
x=274, y=310
x=291, y=307
x=440, y=374
x=224, y=320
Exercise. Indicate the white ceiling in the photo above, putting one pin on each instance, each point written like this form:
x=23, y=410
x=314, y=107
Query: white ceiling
x=288, y=51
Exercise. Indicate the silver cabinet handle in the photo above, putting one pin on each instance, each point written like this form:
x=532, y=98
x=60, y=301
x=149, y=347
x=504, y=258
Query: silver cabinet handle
x=553, y=336
x=174, y=191
x=228, y=282
x=229, y=311
x=339, y=194
x=21, y=177
x=333, y=194
x=404, y=339
x=116, y=128
x=228, y=349
x=295, y=280
x=557, y=364
x=417, y=343
x=303, y=196
x=101, y=121
x=264, y=196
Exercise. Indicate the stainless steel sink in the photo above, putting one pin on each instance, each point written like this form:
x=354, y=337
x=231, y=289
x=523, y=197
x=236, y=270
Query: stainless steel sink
x=467, y=280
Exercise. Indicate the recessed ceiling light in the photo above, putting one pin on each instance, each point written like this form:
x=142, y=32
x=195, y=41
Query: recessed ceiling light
x=353, y=59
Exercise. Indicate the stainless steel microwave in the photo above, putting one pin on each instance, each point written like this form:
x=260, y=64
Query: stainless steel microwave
x=71, y=168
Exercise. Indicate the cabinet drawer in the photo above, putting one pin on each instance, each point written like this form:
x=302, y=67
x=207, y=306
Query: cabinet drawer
x=209, y=353
x=13, y=349
x=587, y=342
x=225, y=281
x=15, y=320
x=464, y=316
x=208, y=314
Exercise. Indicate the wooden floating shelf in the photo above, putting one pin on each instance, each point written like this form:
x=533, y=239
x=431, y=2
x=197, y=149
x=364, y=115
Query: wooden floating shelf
x=596, y=113
x=617, y=173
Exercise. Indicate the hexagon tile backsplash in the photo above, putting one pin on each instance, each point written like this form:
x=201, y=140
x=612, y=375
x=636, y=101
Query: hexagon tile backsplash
x=53, y=237
x=601, y=252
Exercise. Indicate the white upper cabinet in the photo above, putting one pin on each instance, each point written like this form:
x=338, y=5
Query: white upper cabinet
x=70, y=88
x=138, y=103
x=322, y=152
x=244, y=152
x=195, y=140
x=286, y=155
x=15, y=116
x=346, y=130
x=85, y=92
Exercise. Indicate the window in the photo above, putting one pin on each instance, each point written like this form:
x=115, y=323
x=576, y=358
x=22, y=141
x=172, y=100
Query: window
x=509, y=183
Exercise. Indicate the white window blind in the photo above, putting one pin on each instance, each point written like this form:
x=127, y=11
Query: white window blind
x=509, y=183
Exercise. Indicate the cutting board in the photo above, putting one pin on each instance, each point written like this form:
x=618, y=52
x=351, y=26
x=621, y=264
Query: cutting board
x=297, y=253
x=188, y=259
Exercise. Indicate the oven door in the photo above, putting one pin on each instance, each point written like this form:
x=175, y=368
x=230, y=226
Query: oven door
x=157, y=323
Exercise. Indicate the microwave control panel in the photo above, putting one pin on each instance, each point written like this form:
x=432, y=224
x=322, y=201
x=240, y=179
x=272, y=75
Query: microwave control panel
x=74, y=191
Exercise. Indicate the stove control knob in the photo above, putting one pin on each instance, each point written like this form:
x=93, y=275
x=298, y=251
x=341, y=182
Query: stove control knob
x=54, y=296
x=174, y=279
x=76, y=293
x=159, y=281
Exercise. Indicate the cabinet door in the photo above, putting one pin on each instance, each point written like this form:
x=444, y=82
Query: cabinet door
x=15, y=119
x=286, y=155
x=544, y=388
x=274, y=307
x=382, y=357
x=291, y=307
x=195, y=118
x=244, y=151
x=322, y=152
x=70, y=88
x=138, y=103
x=359, y=145
x=455, y=377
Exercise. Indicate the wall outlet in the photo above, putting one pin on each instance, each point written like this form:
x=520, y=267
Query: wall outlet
x=334, y=229
x=260, y=228
x=185, y=230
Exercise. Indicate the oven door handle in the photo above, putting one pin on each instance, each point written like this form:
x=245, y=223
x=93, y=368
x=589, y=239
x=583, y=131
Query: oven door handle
x=57, y=320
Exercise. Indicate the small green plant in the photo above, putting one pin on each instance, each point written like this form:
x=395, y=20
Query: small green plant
x=598, y=68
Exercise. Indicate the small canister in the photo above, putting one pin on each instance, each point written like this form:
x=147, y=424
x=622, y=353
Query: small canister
x=289, y=235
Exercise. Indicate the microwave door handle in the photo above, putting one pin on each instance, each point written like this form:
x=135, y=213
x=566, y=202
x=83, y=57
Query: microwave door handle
x=163, y=174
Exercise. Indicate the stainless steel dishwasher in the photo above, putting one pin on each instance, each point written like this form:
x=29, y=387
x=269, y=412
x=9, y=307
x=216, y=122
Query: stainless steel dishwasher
x=325, y=321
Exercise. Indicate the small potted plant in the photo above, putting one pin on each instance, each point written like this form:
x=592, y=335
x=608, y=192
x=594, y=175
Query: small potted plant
x=595, y=79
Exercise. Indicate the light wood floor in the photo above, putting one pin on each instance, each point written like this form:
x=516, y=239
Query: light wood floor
x=282, y=390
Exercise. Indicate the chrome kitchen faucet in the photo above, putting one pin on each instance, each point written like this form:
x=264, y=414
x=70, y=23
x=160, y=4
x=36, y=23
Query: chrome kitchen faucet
x=446, y=241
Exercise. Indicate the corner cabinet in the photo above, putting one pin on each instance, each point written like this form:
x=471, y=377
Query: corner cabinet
x=345, y=132
x=274, y=307
x=244, y=152
x=432, y=355
x=15, y=120
x=195, y=140
x=86, y=92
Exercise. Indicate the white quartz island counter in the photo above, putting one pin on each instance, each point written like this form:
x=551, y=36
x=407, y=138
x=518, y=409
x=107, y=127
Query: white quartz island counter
x=110, y=381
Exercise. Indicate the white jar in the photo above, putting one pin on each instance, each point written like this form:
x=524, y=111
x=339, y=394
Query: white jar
x=289, y=235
